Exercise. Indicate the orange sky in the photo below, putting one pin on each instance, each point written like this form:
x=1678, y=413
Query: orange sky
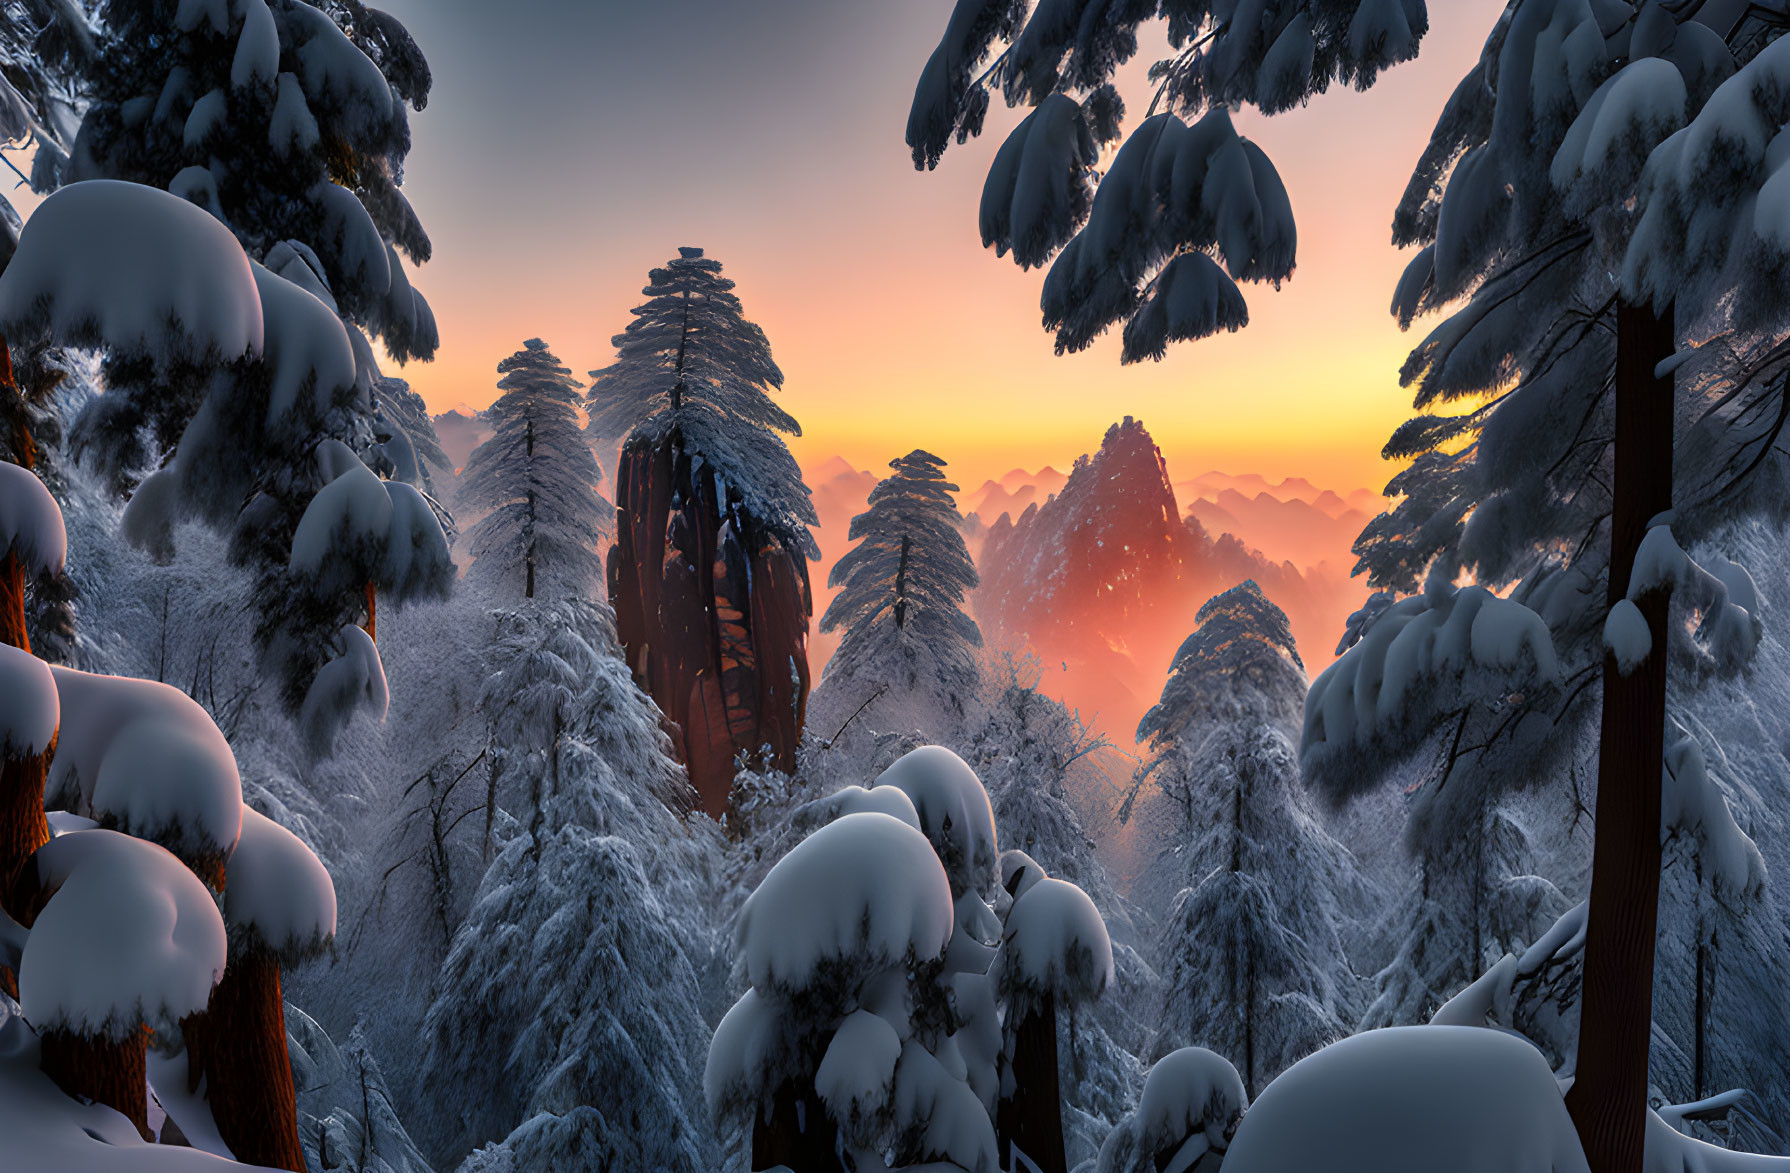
x=895, y=329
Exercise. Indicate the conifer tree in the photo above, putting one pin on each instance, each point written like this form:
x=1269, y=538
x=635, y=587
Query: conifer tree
x=538, y=479
x=1591, y=211
x=901, y=602
x=709, y=574
x=1252, y=951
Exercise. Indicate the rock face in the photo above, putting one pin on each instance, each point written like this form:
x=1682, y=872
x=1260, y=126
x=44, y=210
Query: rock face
x=712, y=608
x=1102, y=581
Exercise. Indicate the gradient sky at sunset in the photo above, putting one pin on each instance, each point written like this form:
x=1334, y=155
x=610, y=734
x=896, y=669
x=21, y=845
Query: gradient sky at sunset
x=567, y=148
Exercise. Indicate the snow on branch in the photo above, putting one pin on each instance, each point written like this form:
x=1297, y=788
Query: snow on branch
x=1191, y=1105
x=129, y=936
x=146, y=758
x=1416, y=665
x=954, y=813
x=861, y=893
x=277, y=895
x=31, y=528
x=135, y=270
x=29, y=707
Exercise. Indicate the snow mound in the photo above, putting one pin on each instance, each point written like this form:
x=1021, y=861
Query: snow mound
x=133, y=269
x=954, y=812
x=863, y=892
x=1412, y=1100
x=30, y=522
x=146, y=758
x=130, y=936
x=29, y=708
x=1055, y=945
x=276, y=891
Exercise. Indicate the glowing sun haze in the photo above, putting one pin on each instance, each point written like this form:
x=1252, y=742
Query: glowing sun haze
x=569, y=147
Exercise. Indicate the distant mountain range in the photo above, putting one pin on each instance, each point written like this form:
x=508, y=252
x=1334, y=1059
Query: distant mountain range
x=1057, y=551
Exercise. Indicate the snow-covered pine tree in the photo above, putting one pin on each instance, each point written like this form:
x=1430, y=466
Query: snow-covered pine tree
x=1589, y=195
x=909, y=656
x=1141, y=237
x=536, y=481
x=709, y=574
x=1252, y=952
x=411, y=450
x=290, y=128
x=571, y=987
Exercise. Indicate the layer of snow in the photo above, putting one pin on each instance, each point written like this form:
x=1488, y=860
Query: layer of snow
x=277, y=891
x=954, y=812
x=257, y=46
x=29, y=709
x=31, y=526
x=951, y=1122
x=130, y=936
x=743, y=1051
x=306, y=346
x=857, y=1074
x=354, y=679
x=134, y=269
x=1691, y=802
x=48, y=1132
x=855, y=800
x=147, y=758
x=1412, y=1100
x=1191, y=1103
x=1626, y=636
x=1055, y=944
x=866, y=890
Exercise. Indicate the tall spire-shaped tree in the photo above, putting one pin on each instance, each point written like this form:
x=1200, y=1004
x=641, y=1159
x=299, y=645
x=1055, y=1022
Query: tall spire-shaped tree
x=1252, y=953
x=709, y=574
x=539, y=480
x=901, y=605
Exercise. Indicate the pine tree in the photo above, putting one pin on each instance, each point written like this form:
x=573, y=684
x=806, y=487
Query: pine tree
x=571, y=986
x=538, y=479
x=1580, y=206
x=1252, y=950
x=909, y=646
x=286, y=122
x=709, y=574
x=1140, y=238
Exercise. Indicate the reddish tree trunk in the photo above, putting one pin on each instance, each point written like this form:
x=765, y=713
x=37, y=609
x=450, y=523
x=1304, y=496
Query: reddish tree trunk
x=239, y=1045
x=105, y=1072
x=782, y=1140
x=712, y=614
x=1031, y=1120
x=12, y=603
x=1608, y=1100
x=372, y=624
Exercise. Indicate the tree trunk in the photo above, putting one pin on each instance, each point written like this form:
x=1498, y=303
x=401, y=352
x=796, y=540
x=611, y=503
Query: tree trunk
x=901, y=584
x=372, y=624
x=12, y=603
x=102, y=1071
x=1032, y=1119
x=781, y=1138
x=239, y=1045
x=1608, y=1100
